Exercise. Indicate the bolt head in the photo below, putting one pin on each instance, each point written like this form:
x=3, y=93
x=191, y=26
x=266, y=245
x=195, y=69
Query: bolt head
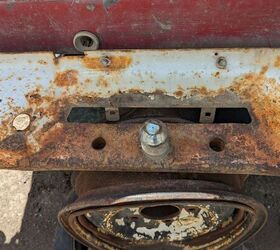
x=152, y=128
x=21, y=122
x=105, y=61
x=154, y=139
x=153, y=133
x=221, y=62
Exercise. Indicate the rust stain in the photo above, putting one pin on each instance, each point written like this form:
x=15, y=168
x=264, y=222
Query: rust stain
x=264, y=70
x=179, y=92
x=42, y=62
x=88, y=81
x=277, y=62
x=34, y=98
x=56, y=60
x=159, y=92
x=11, y=157
x=253, y=89
x=203, y=92
x=102, y=82
x=117, y=63
x=66, y=78
x=5, y=124
x=134, y=91
x=216, y=74
x=53, y=134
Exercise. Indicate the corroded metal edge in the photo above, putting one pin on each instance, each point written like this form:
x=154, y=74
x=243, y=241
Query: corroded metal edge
x=46, y=87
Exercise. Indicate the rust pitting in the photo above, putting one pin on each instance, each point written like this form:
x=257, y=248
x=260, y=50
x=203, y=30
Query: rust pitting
x=277, y=62
x=42, y=62
x=66, y=78
x=159, y=92
x=117, y=63
x=34, y=98
x=88, y=81
x=256, y=90
x=179, y=92
x=102, y=82
x=216, y=74
x=264, y=70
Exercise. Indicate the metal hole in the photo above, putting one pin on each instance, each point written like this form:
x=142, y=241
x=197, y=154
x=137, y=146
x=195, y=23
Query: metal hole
x=162, y=212
x=99, y=143
x=217, y=144
x=85, y=41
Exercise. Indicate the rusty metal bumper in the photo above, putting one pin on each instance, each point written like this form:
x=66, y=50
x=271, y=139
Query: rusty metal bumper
x=46, y=87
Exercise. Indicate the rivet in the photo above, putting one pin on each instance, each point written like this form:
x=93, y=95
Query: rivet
x=221, y=62
x=21, y=122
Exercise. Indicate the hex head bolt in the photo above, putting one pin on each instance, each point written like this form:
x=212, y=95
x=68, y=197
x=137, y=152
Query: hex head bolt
x=154, y=139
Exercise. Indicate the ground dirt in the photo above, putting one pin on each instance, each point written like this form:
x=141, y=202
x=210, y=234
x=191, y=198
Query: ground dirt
x=30, y=203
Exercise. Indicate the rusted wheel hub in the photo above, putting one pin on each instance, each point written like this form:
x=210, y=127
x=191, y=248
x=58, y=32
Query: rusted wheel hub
x=171, y=214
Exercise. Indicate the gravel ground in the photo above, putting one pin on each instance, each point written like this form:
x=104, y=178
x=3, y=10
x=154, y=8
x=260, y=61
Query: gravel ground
x=30, y=203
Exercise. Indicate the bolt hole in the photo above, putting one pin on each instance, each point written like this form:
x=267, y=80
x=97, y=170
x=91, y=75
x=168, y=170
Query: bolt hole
x=85, y=40
x=216, y=54
x=217, y=144
x=99, y=143
x=207, y=114
x=163, y=212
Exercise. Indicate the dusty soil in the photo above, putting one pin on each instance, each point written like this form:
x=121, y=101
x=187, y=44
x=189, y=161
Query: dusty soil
x=28, y=221
x=49, y=190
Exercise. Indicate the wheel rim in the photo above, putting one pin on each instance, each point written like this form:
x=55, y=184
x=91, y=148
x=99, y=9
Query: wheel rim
x=148, y=214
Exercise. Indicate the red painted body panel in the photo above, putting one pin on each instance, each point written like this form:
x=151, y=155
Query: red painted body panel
x=50, y=25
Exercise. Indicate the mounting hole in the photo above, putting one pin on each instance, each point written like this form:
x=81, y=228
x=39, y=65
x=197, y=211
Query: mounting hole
x=163, y=212
x=85, y=41
x=216, y=53
x=98, y=143
x=217, y=144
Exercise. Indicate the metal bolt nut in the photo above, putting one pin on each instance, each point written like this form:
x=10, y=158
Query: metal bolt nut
x=105, y=61
x=152, y=128
x=21, y=122
x=221, y=62
x=154, y=139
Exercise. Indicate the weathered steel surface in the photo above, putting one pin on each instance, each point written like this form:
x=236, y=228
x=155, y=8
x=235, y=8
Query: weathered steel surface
x=51, y=25
x=45, y=88
x=114, y=218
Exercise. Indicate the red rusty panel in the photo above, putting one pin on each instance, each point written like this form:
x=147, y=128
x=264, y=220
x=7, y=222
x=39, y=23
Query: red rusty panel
x=70, y=147
x=50, y=25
